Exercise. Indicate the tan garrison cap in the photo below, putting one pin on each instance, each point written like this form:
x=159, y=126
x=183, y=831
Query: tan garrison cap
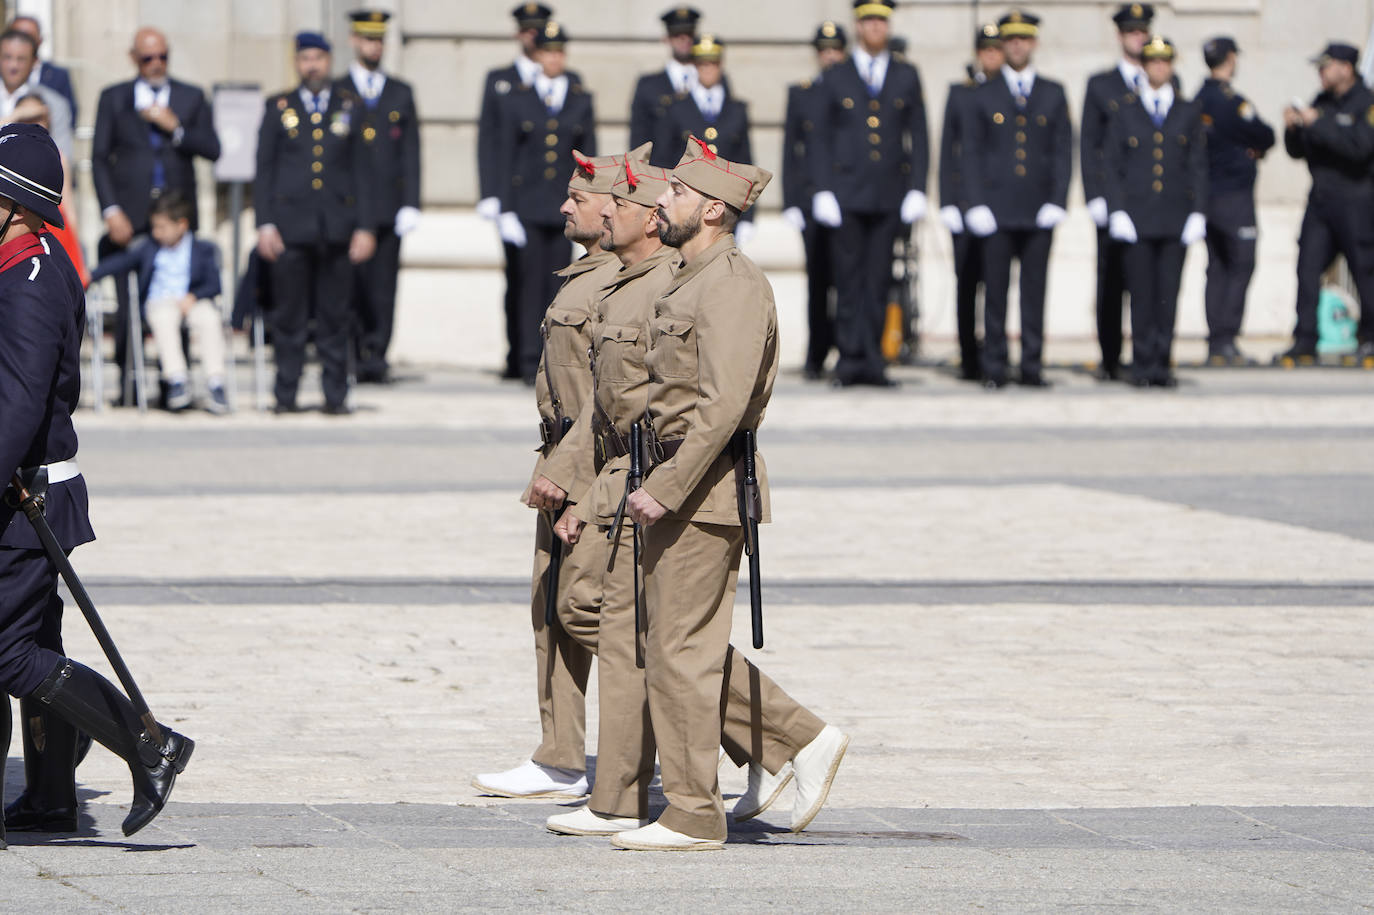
x=638, y=181
x=594, y=175
x=707, y=173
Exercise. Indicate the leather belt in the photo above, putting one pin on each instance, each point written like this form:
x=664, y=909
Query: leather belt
x=549, y=432
x=59, y=471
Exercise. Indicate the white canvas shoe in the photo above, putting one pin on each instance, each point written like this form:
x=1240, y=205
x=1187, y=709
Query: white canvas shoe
x=762, y=791
x=657, y=837
x=529, y=779
x=585, y=822
x=814, y=767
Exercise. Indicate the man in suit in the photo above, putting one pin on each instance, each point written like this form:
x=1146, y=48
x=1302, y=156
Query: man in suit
x=46, y=73
x=542, y=124
x=1155, y=167
x=500, y=82
x=148, y=132
x=391, y=142
x=1237, y=138
x=18, y=59
x=968, y=248
x=1106, y=93
x=799, y=186
x=708, y=111
x=314, y=197
x=1335, y=134
x=870, y=166
x=1016, y=180
x=655, y=92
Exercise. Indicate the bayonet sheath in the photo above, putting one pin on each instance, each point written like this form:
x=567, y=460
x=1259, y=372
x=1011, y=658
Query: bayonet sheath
x=555, y=547
x=750, y=508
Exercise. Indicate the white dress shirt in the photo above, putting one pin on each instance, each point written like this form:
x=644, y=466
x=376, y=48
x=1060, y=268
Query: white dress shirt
x=171, y=271
x=682, y=76
x=710, y=101
x=553, y=92
x=872, y=69
x=1133, y=75
x=370, y=83
x=527, y=69
x=1020, y=83
x=321, y=100
x=146, y=96
x=1161, y=99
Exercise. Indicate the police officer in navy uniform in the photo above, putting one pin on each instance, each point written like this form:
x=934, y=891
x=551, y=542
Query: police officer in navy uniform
x=1237, y=138
x=391, y=144
x=1016, y=179
x=1335, y=134
x=968, y=248
x=655, y=92
x=799, y=186
x=542, y=124
x=500, y=82
x=40, y=383
x=1106, y=93
x=870, y=165
x=314, y=198
x=1156, y=183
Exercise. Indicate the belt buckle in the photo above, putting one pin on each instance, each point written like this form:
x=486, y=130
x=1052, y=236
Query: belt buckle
x=546, y=431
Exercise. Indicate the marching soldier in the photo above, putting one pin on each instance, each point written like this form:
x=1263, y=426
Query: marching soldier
x=40, y=382
x=1016, y=180
x=708, y=111
x=1237, y=138
x=798, y=187
x=655, y=92
x=563, y=387
x=968, y=248
x=870, y=163
x=530, y=19
x=314, y=198
x=391, y=144
x=1106, y=93
x=712, y=359
x=1156, y=183
x=543, y=123
x=1335, y=134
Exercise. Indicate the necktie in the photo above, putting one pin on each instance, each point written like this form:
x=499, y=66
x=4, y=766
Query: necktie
x=1021, y=93
x=155, y=140
x=1158, y=116
x=873, y=85
x=374, y=89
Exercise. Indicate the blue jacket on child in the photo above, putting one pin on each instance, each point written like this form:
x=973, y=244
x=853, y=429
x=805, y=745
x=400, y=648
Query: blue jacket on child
x=204, y=268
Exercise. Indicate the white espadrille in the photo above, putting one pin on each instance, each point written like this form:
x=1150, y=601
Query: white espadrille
x=586, y=822
x=762, y=791
x=814, y=767
x=657, y=837
x=530, y=779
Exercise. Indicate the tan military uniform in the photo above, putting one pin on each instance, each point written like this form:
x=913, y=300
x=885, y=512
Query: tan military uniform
x=562, y=664
x=712, y=360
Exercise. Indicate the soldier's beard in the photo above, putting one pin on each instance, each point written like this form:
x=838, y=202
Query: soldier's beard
x=677, y=234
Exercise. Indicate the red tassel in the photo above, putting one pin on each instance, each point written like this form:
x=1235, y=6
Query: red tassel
x=586, y=165
x=705, y=150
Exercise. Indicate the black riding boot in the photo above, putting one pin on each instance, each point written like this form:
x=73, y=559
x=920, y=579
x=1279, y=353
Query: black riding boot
x=4, y=755
x=94, y=704
x=48, y=803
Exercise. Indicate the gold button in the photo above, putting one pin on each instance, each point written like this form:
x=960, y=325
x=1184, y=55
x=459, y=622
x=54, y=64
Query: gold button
x=712, y=133
x=316, y=183
x=874, y=155
x=317, y=134
x=369, y=134
x=1158, y=169
x=1159, y=137
x=875, y=139
x=1021, y=154
x=1132, y=142
x=1020, y=120
x=1159, y=153
x=551, y=124
x=394, y=116
x=550, y=173
x=1020, y=171
x=292, y=133
x=317, y=150
x=711, y=147
x=873, y=121
x=1042, y=120
x=1158, y=186
x=997, y=117
x=875, y=105
x=317, y=167
x=1020, y=136
x=316, y=118
x=551, y=156
x=551, y=140
x=847, y=103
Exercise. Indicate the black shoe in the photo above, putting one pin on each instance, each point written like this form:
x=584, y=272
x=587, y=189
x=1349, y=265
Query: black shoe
x=336, y=409
x=1033, y=380
x=1365, y=354
x=94, y=704
x=994, y=383
x=970, y=373
x=813, y=373
x=1297, y=354
x=1139, y=381
x=1108, y=373
x=1164, y=381
x=375, y=376
x=27, y=814
x=51, y=750
x=283, y=408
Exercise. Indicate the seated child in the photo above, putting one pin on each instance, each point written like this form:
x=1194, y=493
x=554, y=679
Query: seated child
x=178, y=278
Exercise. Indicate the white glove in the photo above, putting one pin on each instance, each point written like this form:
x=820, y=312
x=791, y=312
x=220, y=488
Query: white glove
x=512, y=233
x=1121, y=228
x=1195, y=229
x=489, y=208
x=952, y=218
x=1097, y=209
x=825, y=209
x=407, y=218
x=980, y=221
x=913, y=207
x=1050, y=215
x=745, y=231
x=795, y=218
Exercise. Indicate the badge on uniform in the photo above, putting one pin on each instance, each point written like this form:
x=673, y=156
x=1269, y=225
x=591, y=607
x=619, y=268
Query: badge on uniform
x=289, y=119
x=502, y=86
x=1369, y=115
x=1246, y=110
x=339, y=125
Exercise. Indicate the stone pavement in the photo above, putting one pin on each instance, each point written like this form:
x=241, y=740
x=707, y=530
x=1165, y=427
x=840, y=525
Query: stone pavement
x=1095, y=647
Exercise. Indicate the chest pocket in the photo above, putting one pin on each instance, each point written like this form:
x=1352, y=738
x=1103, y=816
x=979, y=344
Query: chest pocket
x=673, y=352
x=564, y=340
x=619, y=353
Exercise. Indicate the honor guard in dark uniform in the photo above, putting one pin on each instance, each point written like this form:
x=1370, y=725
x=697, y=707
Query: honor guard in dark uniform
x=391, y=146
x=1237, y=138
x=799, y=186
x=1156, y=183
x=500, y=82
x=1016, y=179
x=968, y=248
x=870, y=164
x=40, y=382
x=314, y=198
x=1106, y=93
x=708, y=111
x=1335, y=134
x=655, y=92
x=542, y=124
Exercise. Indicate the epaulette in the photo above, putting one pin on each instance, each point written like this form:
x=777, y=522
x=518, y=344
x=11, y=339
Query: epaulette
x=804, y=84
x=576, y=87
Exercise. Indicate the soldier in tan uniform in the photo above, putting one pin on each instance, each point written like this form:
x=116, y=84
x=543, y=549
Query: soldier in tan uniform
x=712, y=359
x=562, y=385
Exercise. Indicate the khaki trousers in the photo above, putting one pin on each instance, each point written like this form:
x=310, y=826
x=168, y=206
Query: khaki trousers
x=207, y=336
x=702, y=692
x=562, y=667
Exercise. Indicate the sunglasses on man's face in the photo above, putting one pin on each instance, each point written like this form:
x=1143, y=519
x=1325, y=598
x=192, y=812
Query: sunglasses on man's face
x=149, y=58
